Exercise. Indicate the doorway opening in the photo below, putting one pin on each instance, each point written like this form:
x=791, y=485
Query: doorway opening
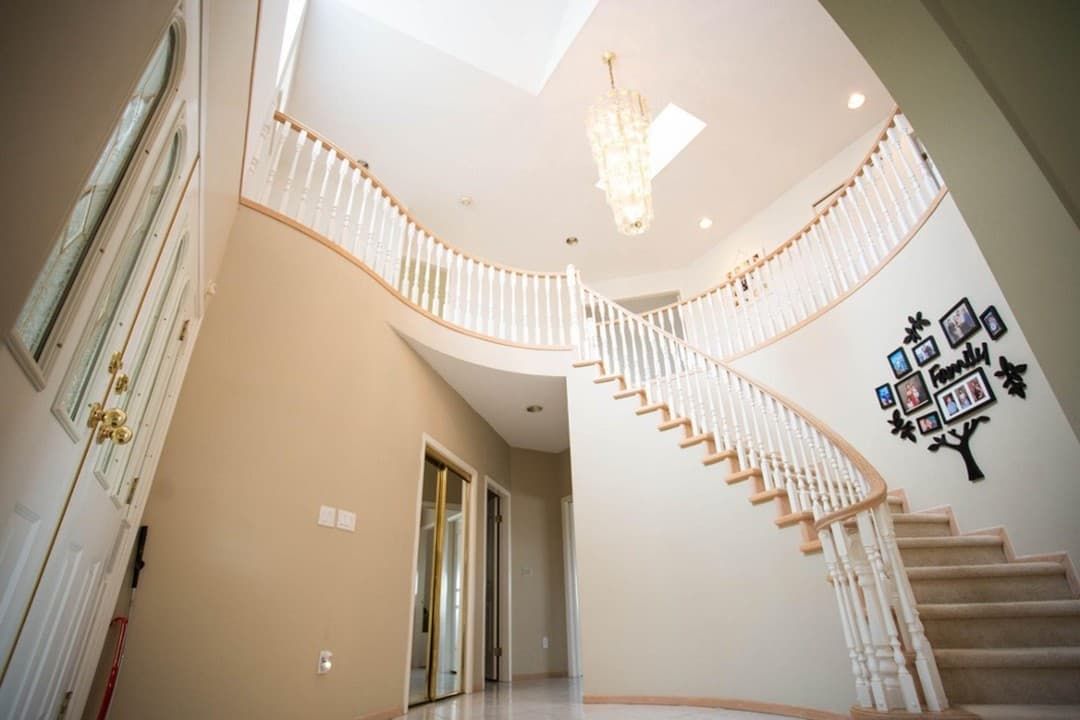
x=497, y=583
x=439, y=588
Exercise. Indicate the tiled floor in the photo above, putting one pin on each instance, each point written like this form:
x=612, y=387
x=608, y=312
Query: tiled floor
x=558, y=700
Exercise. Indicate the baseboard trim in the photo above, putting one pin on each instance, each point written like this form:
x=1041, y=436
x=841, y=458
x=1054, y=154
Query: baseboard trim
x=387, y=714
x=525, y=677
x=725, y=703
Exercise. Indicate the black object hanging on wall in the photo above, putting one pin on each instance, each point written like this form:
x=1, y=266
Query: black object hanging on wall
x=963, y=446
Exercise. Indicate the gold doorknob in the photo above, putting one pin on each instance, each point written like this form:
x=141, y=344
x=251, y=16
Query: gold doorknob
x=121, y=435
x=113, y=418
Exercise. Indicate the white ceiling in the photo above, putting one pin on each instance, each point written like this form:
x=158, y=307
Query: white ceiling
x=501, y=398
x=445, y=115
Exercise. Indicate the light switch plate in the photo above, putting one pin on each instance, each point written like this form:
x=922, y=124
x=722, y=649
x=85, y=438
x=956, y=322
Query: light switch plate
x=346, y=520
x=326, y=515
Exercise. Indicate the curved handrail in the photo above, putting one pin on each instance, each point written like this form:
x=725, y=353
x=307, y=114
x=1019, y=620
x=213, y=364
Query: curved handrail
x=794, y=454
x=301, y=178
x=870, y=217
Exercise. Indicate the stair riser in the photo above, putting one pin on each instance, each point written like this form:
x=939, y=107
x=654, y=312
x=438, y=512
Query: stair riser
x=992, y=589
x=922, y=529
x=948, y=555
x=1001, y=632
x=1013, y=686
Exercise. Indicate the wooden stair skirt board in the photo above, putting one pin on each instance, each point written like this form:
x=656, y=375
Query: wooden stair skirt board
x=724, y=703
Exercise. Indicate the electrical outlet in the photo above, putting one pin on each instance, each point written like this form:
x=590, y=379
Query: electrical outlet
x=327, y=515
x=326, y=662
x=346, y=520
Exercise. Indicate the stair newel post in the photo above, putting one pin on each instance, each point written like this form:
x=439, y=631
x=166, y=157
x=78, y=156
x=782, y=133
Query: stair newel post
x=537, y=340
x=277, y=142
x=877, y=593
x=928, y=184
x=301, y=141
x=914, y=205
x=548, y=325
x=571, y=302
x=925, y=663
x=561, y=298
x=875, y=217
x=861, y=600
x=860, y=245
x=346, y=220
x=343, y=168
x=320, y=199
x=502, y=303
x=831, y=538
x=358, y=233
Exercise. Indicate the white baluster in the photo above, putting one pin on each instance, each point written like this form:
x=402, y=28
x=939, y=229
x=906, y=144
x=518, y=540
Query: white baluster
x=895, y=228
x=277, y=142
x=425, y=297
x=860, y=190
x=358, y=234
x=409, y=237
x=379, y=265
x=858, y=247
x=547, y=308
x=513, y=303
x=301, y=142
x=316, y=148
x=331, y=157
x=502, y=305
x=919, y=202
x=560, y=298
x=439, y=304
x=929, y=186
x=346, y=220
x=491, y=301
x=265, y=132
x=414, y=294
x=343, y=167
x=536, y=309
x=370, y=247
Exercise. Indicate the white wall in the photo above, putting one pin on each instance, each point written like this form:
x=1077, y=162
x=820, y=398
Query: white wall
x=764, y=231
x=1028, y=451
x=687, y=589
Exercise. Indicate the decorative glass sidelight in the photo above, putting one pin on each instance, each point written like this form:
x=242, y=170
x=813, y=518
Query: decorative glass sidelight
x=56, y=280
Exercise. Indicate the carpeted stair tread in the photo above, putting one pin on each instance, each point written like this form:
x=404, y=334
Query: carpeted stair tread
x=1024, y=712
x=1019, y=608
x=1035, y=657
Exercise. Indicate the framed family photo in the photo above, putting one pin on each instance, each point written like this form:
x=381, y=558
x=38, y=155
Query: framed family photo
x=928, y=423
x=899, y=363
x=912, y=393
x=964, y=396
x=925, y=351
x=991, y=320
x=959, y=323
x=885, y=397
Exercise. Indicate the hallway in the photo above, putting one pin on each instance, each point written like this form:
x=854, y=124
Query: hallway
x=558, y=699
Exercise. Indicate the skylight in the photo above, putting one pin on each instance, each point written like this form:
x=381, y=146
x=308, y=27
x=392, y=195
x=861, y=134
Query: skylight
x=669, y=134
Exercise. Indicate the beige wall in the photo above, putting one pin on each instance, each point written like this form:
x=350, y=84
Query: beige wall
x=299, y=394
x=540, y=481
x=1029, y=239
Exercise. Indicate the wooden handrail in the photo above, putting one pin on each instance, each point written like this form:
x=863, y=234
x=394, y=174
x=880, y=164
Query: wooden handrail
x=838, y=193
x=366, y=173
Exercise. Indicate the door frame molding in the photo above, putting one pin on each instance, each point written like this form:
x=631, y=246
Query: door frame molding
x=431, y=446
x=505, y=585
x=573, y=621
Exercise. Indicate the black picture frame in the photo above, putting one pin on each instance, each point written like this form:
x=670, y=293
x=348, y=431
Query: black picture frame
x=929, y=423
x=895, y=358
x=959, y=323
x=885, y=396
x=924, y=356
x=969, y=393
x=991, y=320
x=912, y=393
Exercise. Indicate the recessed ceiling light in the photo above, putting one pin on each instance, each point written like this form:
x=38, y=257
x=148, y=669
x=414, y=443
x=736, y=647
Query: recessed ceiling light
x=856, y=101
x=534, y=409
x=465, y=200
x=571, y=240
x=705, y=223
x=669, y=134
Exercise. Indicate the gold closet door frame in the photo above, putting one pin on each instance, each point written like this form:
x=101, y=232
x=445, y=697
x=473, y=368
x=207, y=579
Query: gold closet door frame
x=436, y=568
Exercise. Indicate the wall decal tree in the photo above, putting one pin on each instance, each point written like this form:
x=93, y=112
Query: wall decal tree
x=913, y=332
x=963, y=446
x=902, y=426
x=1014, y=377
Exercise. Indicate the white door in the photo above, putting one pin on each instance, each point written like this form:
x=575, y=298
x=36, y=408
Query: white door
x=66, y=354
x=142, y=302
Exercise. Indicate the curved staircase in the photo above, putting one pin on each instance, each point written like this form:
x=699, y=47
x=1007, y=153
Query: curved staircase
x=931, y=617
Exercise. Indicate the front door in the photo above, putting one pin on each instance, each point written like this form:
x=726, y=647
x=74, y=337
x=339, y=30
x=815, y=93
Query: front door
x=72, y=484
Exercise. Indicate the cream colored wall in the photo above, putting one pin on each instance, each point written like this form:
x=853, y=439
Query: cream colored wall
x=1027, y=450
x=686, y=589
x=766, y=229
x=540, y=481
x=1026, y=234
x=68, y=72
x=299, y=394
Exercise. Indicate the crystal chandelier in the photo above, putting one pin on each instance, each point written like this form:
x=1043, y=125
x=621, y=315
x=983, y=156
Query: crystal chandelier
x=618, y=129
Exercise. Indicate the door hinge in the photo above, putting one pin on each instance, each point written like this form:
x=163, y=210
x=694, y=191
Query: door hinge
x=497, y=652
x=183, y=330
x=64, y=706
x=498, y=518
